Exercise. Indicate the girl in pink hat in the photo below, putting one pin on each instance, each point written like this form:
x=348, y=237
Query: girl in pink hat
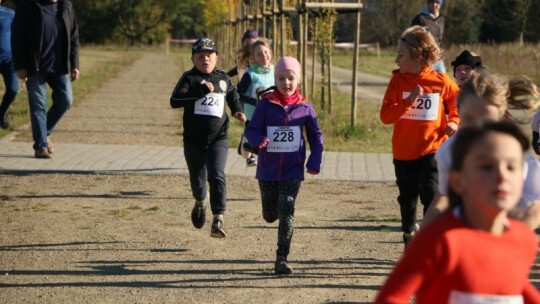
x=276, y=128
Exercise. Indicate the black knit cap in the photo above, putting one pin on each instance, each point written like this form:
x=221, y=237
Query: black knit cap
x=469, y=59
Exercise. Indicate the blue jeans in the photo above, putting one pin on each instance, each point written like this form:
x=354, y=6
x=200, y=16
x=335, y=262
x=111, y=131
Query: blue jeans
x=43, y=121
x=439, y=66
x=11, y=83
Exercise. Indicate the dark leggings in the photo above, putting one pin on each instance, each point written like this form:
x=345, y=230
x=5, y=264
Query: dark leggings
x=208, y=163
x=278, y=200
x=415, y=178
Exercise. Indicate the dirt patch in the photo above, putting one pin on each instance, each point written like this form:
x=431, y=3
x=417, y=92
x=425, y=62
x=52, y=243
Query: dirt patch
x=129, y=239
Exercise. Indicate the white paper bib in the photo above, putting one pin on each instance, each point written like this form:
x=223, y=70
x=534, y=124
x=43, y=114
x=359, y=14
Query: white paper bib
x=425, y=107
x=283, y=139
x=212, y=105
x=460, y=297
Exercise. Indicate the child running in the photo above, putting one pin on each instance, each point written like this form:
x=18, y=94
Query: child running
x=474, y=253
x=258, y=76
x=488, y=97
x=277, y=128
x=466, y=65
x=202, y=92
x=415, y=101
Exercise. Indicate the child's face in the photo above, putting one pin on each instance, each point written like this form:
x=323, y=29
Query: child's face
x=406, y=63
x=261, y=55
x=205, y=61
x=491, y=177
x=474, y=109
x=286, y=82
x=463, y=73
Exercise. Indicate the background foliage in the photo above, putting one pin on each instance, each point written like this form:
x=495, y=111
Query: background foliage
x=146, y=22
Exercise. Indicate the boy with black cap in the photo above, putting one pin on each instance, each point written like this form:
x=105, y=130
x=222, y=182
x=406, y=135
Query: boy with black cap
x=202, y=92
x=465, y=66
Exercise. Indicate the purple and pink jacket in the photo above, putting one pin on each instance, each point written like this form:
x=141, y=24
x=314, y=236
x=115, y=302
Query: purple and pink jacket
x=277, y=166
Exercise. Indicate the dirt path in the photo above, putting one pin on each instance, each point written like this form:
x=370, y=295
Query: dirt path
x=128, y=238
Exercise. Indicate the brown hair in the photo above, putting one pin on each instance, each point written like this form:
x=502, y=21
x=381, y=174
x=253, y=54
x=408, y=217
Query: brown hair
x=421, y=43
x=468, y=136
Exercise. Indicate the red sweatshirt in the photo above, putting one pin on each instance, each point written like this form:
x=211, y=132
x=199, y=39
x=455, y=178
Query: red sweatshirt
x=419, y=128
x=448, y=259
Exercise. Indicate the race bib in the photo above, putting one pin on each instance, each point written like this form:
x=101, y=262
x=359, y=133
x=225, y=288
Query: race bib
x=212, y=105
x=283, y=139
x=460, y=297
x=425, y=107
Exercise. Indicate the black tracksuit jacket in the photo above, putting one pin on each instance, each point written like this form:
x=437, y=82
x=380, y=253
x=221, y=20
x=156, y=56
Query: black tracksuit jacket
x=202, y=130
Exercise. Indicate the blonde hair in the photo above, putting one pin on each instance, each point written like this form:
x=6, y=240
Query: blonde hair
x=421, y=43
x=520, y=92
x=246, y=52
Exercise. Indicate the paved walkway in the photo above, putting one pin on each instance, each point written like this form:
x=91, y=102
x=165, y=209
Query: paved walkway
x=17, y=157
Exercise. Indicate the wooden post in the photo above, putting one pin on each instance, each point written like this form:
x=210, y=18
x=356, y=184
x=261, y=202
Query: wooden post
x=304, y=50
x=300, y=48
x=274, y=27
x=313, y=61
x=282, y=27
x=355, y=68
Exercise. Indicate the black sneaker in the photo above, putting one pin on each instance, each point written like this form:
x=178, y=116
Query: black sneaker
x=251, y=161
x=198, y=215
x=218, y=230
x=4, y=121
x=282, y=266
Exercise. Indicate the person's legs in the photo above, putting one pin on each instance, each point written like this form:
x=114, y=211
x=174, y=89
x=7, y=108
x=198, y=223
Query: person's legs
x=288, y=190
x=62, y=98
x=269, y=200
x=37, y=101
x=429, y=177
x=215, y=159
x=407, y=179
x=11, y=83
x=194, y=156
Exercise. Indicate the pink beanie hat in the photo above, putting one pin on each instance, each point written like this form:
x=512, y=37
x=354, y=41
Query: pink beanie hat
x=288, y=63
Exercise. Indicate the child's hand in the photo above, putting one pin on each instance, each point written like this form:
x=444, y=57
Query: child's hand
x=312, y=172
x=240, y=116
x=264, y=143
x=451, y=128
x=208, y=84
x=416, y=91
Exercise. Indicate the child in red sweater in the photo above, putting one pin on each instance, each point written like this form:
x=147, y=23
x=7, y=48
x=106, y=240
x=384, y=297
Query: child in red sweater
x=416, y=101
x=474, y=253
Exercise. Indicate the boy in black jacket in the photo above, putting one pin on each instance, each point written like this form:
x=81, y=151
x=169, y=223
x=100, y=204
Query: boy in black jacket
x=202, y=92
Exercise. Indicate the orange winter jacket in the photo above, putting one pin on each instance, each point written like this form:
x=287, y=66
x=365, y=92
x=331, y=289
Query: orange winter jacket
x=419, y=128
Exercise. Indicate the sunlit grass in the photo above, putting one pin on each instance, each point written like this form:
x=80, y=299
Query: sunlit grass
x=98, y=64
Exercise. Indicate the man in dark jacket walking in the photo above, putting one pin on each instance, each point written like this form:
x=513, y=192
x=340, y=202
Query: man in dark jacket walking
x=45, y=44
x=431, y=18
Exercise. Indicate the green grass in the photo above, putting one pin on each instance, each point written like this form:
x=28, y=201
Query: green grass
x=368, y=60
x=98, y=64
